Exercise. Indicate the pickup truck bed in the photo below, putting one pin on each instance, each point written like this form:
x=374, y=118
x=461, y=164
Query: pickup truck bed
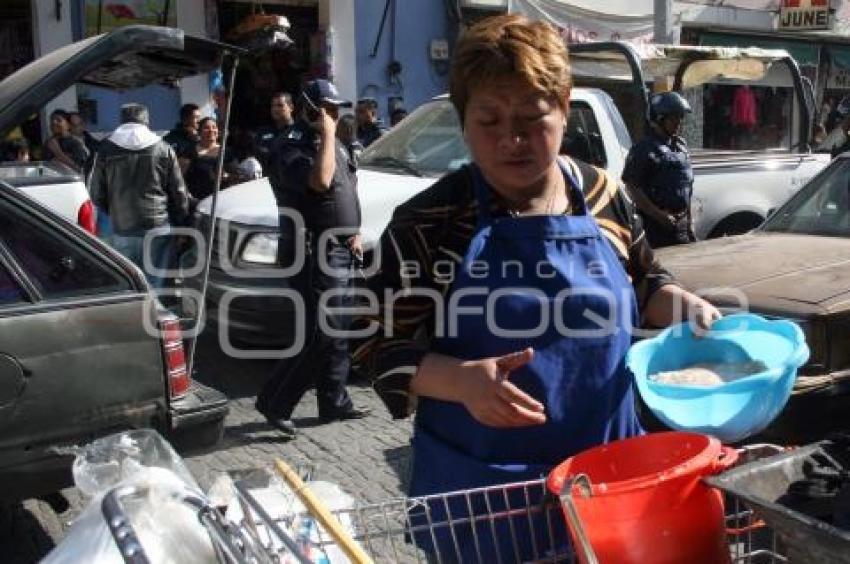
x=734, y=190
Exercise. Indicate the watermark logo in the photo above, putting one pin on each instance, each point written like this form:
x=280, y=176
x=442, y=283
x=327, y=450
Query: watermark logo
x=594, y=310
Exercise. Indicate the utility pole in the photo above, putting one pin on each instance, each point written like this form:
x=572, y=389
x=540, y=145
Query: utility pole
x=663, y=11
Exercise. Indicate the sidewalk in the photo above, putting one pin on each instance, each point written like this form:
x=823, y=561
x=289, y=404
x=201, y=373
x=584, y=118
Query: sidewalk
x=368, y=458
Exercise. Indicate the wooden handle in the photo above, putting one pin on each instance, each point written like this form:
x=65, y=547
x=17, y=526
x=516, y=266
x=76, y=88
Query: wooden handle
x=318, y=510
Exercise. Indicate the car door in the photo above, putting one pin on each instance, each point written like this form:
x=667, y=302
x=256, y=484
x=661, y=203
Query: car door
x=75, y=358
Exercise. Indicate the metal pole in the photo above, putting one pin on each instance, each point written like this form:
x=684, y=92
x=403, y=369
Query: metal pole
x=212, y=228
x=663, y=30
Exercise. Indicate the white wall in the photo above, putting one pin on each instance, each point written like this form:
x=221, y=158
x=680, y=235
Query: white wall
x=191, y=19
x=342, y=20
x=49, y=34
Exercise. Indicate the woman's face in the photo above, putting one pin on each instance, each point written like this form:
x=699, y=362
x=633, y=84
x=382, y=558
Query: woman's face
x=514, y=133
x=209, y=132
x=59, y=126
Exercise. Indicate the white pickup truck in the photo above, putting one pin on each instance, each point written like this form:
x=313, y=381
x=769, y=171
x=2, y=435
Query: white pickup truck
x=733, y=190
x=55, y=187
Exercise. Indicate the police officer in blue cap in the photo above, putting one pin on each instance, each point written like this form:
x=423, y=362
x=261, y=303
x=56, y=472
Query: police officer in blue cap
x=659, y=175
x=312, y=172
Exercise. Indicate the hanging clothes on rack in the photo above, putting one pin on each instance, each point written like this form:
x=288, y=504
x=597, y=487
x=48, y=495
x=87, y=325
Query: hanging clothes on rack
x=744, y=112
x=744, y=117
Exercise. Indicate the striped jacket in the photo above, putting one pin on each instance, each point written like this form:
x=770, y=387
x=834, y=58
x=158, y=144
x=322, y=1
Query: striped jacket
x=426, y=241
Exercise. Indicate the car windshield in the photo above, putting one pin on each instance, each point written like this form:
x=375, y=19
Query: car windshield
x=821, y=208
x=429, y=141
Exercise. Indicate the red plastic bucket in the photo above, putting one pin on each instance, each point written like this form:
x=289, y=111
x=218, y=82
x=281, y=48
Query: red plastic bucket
x=647, y=500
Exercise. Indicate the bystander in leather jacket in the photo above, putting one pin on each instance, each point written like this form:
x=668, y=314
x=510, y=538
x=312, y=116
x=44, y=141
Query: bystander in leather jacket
x=136, y=179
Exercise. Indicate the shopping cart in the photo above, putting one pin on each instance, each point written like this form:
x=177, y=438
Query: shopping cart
x=404, y=530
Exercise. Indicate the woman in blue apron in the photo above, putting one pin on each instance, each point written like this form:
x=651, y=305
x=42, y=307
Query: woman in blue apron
x=542, y=272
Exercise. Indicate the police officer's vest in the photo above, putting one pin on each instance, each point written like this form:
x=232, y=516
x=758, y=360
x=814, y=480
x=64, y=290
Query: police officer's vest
x=671, y=187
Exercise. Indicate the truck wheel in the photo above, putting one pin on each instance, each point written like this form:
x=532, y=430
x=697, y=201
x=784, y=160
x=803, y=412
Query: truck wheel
x=737, y=224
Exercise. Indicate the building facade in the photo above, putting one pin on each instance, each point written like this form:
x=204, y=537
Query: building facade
x=395, y=51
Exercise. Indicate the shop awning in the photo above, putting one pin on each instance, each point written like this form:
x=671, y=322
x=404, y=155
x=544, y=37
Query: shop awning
x=805, y=53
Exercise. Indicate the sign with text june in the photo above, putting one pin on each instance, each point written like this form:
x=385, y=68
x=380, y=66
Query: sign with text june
x=804, y=14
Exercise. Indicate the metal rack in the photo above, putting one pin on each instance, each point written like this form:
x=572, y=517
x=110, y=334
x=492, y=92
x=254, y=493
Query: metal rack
x=505, y=523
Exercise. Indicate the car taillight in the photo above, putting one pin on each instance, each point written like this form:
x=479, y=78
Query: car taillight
x=175, y=357
x=85, y=217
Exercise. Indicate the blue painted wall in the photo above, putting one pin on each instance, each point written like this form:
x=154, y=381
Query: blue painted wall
x=417, y=22
x=162, y=102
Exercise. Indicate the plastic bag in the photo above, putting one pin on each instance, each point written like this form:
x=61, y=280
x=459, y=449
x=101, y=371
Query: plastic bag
x=168, y=529
x=104, y=463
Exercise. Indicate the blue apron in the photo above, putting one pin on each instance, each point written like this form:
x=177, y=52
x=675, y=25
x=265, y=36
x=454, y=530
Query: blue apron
x=549, y=280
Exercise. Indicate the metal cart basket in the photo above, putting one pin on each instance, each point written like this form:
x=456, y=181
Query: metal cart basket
x=519, y=523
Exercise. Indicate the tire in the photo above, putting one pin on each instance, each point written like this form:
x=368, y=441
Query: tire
x=737, y=224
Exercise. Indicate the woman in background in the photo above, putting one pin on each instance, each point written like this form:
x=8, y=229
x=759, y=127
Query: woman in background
x=201, y=174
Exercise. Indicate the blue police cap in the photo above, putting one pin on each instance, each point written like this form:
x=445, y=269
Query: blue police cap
x=668, y=104
x=321, y=91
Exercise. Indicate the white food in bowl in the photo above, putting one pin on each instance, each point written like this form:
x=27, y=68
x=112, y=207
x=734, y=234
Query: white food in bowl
x=709, y=373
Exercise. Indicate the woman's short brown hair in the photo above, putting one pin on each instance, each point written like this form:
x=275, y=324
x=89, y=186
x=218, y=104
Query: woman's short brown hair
x=505, y=46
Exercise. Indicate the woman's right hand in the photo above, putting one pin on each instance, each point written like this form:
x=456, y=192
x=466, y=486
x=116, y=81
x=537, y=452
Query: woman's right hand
x=492, y=399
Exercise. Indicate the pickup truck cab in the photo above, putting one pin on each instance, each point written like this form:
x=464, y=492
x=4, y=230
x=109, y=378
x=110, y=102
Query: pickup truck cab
x=734, y=189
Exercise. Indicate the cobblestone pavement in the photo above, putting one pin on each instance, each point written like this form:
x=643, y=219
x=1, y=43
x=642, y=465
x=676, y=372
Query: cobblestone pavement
x=369, y=458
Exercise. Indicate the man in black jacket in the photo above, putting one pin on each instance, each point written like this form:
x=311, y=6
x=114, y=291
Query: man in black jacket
x=184, y=137
x=136, y=179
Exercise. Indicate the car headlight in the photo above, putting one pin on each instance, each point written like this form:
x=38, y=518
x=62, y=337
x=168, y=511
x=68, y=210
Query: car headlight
x=261, y=248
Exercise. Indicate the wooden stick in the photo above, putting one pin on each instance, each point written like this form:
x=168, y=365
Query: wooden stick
x=320, y=511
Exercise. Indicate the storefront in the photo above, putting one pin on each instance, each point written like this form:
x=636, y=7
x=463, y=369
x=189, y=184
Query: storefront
x=815, y=33
x=753, y=115
x=275, y=69
x=16, y=49
x=396, y=51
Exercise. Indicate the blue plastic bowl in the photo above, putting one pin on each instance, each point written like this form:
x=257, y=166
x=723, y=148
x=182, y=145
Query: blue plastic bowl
x=733, y=411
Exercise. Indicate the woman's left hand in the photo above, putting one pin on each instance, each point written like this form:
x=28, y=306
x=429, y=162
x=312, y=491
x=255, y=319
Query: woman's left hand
x=701, y=314
x=672, y=304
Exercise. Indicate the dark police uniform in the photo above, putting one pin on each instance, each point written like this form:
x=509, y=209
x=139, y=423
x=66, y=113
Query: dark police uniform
x=185, y=144
x=324, y=359
x=266, y=137
x=661, y=168
x=370, y=133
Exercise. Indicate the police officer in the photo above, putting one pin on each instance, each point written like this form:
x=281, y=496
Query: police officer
x=369, y=127
x=314, y=172
x=659, y=175
x=282, y=111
